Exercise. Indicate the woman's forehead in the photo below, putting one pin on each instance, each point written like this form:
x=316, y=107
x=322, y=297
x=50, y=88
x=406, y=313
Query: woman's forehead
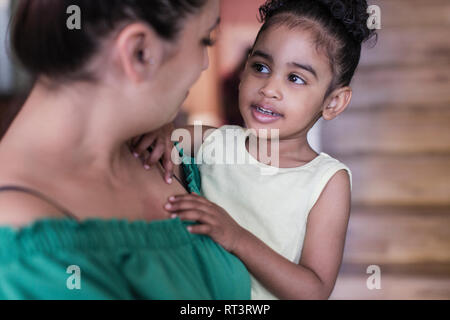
x=211, y=14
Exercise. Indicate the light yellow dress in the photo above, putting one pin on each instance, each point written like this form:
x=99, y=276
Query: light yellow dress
x=273, y=205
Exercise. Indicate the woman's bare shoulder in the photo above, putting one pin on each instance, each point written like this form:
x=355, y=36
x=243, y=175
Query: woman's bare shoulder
x=18, y=209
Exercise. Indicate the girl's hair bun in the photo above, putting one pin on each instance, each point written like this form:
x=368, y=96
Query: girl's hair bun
x=353, y=15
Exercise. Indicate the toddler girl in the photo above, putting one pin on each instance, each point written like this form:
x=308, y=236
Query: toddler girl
x=288, y=227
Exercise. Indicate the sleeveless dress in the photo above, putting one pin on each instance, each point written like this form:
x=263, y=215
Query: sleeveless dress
x=117, y=259
x=272, y=203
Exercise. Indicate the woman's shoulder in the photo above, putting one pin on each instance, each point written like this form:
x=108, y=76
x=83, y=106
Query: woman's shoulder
x=18, y=208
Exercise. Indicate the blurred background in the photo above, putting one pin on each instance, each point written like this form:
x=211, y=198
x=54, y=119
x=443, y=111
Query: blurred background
x=395, y=137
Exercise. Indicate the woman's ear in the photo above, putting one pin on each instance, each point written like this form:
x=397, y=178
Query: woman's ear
x=140, y=51
x=337, y=103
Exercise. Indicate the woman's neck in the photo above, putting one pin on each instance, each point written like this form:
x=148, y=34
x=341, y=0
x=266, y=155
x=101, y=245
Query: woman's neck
x=71, y=130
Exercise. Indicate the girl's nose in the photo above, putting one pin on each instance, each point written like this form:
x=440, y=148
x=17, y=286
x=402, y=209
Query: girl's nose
x=271, y=90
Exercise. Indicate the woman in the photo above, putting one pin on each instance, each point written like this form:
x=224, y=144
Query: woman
x=79, y=218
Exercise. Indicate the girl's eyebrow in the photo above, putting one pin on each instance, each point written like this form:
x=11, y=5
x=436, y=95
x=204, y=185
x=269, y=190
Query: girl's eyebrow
x=306, y=67
x=268, y=57
x=259, y=53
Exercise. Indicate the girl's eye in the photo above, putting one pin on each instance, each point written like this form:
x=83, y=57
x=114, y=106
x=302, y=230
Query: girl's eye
x=258, y=67
x=296, y=79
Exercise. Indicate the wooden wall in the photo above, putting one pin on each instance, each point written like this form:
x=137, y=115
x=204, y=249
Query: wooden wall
x=395, y=137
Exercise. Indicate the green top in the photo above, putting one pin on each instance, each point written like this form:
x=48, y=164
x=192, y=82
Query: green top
x=117, y=259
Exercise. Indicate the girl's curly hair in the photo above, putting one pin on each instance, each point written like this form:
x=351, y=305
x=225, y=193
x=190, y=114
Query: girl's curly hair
x=339, y=27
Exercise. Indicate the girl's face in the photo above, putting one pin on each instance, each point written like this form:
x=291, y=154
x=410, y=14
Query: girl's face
x=284, y=83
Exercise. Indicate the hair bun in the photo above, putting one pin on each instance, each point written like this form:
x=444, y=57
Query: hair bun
x=353, y=15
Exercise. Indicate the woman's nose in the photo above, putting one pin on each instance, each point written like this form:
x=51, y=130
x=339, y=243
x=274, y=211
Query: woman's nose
x=206, y=61
x=271, y=89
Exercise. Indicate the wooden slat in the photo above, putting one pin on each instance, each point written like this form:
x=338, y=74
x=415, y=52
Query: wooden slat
x=389, y=131
x=415, y=45
x=418, y=86
x=410, y=245
x=400, y=180
x=425, y=269
x=393, y=287
x=398, y=236
x=413, y=12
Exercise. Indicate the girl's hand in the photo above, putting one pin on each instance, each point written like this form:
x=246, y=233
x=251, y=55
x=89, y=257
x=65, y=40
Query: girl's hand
x=215, y=221
x=162, y=145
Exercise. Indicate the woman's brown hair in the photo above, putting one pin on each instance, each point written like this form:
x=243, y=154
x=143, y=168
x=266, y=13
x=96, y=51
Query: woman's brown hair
x=45, y=45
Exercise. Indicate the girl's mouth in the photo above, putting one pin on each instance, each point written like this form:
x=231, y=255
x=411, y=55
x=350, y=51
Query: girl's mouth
x=263, y=115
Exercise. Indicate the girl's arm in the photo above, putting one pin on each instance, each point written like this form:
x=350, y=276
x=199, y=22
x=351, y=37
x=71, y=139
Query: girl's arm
x=315, y=275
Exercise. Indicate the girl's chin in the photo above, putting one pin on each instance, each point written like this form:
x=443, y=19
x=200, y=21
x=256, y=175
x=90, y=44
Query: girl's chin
x=252, y=124
x=263, y=132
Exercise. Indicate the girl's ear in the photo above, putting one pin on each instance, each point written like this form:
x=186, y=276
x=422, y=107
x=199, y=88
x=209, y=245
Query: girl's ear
x=337, y=103
x=140, y=52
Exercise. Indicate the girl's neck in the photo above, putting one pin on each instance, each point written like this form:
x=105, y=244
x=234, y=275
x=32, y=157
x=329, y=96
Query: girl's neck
x=297, y=150
x=292, y=152
x=69, y=131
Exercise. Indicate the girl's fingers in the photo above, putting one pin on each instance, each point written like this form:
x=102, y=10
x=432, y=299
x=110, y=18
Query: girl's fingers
x=168, y=166
x=186, y=205
x=156, y=154
x=189, y=197
x=168, y=163
x=135, y=141
x=146, y=142
x=200, y=229
x=144, y=157
x=195, y=215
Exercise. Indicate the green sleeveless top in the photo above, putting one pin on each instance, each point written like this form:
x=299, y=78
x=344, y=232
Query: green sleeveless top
x=118, y=259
